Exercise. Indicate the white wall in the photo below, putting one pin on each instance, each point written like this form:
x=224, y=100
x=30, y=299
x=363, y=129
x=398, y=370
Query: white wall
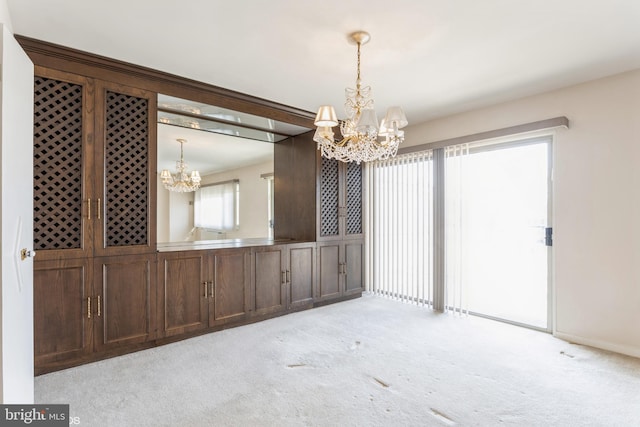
x=596, y=211
x=180, y=216
x=253, y=199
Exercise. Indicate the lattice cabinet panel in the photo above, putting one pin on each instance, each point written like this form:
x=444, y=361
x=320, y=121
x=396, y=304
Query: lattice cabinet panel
x=354, y=198
x=329, y=197
x=57, y=164
x=126, y=170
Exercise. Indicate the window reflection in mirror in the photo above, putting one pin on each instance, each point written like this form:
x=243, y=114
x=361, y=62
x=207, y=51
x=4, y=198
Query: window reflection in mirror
x=223, y=146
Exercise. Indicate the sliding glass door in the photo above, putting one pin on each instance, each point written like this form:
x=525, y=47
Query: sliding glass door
x=496, y=215
x=463, y=228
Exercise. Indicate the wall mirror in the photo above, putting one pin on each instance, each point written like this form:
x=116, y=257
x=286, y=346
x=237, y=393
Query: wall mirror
x=232, y=153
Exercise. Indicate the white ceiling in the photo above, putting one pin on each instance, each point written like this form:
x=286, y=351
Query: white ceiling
x=432, y=57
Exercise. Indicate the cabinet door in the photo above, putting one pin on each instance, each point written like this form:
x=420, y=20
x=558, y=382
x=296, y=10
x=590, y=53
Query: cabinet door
x=270, y=279
x=329, y=265
x=340, y=198
x=62, y=308
x=302, y=267
x=125, y=293
x=353, y=267
x=63, y=208
x=125, y=170
x=231, y=270
x=351, y=182
x=329, y=199
x=182, y=292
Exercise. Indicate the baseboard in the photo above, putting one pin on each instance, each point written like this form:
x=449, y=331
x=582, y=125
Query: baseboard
x=604, y=345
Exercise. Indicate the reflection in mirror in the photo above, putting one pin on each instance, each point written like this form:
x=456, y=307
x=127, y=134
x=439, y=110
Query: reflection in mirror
x=223, y=146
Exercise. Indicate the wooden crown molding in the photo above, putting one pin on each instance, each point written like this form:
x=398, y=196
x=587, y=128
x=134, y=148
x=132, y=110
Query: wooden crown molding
x=63, y=58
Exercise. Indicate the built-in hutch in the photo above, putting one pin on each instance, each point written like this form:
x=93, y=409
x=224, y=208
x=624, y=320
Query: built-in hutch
x=103, y=286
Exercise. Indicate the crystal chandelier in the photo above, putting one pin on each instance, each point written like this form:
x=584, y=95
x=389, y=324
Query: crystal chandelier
x=360, y=131
x=181, y=181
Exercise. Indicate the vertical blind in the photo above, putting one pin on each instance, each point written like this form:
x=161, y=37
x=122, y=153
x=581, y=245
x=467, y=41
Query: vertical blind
x=400, y=228
x=417, y=219
x=455, y=220
x=399, y=238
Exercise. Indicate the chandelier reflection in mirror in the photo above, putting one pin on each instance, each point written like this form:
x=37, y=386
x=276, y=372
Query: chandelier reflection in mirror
x=181, y=181
x=360, y=131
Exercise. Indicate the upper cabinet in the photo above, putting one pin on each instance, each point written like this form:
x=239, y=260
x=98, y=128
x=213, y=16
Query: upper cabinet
x=94, y=152
x=63, y=158
x=125, y=153
x=340, y=200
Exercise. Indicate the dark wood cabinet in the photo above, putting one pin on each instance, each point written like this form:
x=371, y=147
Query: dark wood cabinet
x=84, y=305
x=94, y=167
x=229, y=292
x=340, y=269
x=202, y=289
x=294, y=164
x=301, y=275
x=340, y=232
x=94, y=176
x=183, y=291
x=125, y=299
x=340, y=200
x=100, y=287
x=353, y=267
x=63, y=322
x=329, y=270
x=283, y=277
x=270, y=277
x=125, y=159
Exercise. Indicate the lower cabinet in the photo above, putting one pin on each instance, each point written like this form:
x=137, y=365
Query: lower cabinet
x=183, y=292
x=340, y=269
x=84, y=306
x=90, y=308
x=283, y=277
x=199, y=289
x=269, y=268
x=301, y=275
x=229, y=286
x=62, y=307
x=125, y=298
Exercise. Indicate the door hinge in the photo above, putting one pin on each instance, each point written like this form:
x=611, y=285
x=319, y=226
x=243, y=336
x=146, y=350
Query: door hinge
x=548, y=236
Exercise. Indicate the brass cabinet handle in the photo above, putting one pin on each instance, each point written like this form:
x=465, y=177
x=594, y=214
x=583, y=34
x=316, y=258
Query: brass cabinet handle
x=206, y=289
x=99, y=208
x=211, y=291
x=88, y=208
x=98, y=305
x=88, y=307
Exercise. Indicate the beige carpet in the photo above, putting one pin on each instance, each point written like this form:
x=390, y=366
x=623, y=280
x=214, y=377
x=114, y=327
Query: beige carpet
x=366, y=362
